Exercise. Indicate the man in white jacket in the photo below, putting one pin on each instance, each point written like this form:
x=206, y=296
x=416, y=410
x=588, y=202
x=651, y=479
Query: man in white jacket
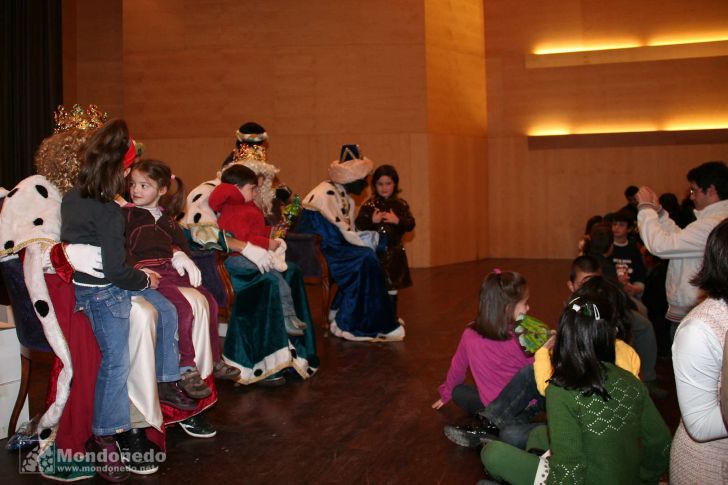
x=684, y=247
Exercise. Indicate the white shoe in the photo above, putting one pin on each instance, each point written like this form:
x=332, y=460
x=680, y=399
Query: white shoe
x=395, y=335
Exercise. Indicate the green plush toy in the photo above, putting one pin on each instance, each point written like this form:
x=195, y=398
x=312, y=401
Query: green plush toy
x=532, y=333
x=289, y=213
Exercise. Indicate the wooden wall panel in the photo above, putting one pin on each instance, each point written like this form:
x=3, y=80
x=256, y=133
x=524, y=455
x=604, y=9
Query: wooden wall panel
x=68, y=49
x=456, y=192
x=315, y=75
x=92, y=55
x=416, y=84
x=456, y=114
x=540, y=199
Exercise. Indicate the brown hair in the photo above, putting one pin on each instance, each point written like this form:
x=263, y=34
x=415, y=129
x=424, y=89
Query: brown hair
x=499, y=294
x=102, y=173
x=59, y=157
x=173, y=202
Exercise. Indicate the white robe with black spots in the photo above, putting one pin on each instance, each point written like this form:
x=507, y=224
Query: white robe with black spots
x=31, y=218
x=333, y=202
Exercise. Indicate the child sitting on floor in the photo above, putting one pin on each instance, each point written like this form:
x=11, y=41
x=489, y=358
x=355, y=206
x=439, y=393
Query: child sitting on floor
x=603, y=428
x=234, y=200
x=489, y=348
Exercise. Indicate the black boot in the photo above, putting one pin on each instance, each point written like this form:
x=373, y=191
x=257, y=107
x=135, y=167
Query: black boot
x=393, y=301
x=136, y=452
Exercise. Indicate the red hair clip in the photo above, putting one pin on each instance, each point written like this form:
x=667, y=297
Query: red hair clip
x=130, y=154
x=497, y=271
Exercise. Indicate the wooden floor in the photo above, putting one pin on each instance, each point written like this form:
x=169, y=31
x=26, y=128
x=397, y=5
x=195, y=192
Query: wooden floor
x=365, y=417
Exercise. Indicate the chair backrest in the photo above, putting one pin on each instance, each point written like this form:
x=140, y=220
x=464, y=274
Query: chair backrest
x=305, y=251
x=206, y=260
x=27, y=325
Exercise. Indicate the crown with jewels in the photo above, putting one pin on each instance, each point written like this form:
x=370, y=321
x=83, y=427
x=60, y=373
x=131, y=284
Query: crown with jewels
x=84, y=119
x=246, y=153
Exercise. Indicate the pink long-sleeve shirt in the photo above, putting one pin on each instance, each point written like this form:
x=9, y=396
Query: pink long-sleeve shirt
x=492, y=363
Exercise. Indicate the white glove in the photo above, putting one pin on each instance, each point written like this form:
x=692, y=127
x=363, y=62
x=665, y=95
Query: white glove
x=278, y=257
x=181, y=262
x=259, y=256
x=85, y=259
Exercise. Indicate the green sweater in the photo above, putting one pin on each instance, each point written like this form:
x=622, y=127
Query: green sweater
x=618, y=442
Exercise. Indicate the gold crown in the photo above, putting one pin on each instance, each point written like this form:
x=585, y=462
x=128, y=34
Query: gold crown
x=247, y=153
x=84, y=119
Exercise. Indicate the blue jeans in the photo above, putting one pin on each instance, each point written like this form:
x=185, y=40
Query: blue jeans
x=239, y=262
x=508, y=410
x=509, y=407
x=167, y=346
x=108, y=309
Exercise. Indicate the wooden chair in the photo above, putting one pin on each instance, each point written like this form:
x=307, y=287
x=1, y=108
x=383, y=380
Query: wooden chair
x=305, y=251
x=28, y=327
x=215, y=278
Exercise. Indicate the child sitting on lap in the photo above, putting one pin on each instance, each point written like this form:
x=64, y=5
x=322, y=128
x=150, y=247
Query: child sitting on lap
x=234, y=200
x=155, y=241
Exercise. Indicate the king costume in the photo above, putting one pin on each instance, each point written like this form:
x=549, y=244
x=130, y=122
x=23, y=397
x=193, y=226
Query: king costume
x=256, y=342
x=361, y=309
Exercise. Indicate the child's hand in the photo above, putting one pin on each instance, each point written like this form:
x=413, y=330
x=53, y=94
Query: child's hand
x=377, y=216
x=437, y=404
x=154, y=278
x=550, y=342
x=390, y=217
x=274, y=244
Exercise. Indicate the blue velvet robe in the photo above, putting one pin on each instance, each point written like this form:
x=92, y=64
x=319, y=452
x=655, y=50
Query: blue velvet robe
x=364, y=308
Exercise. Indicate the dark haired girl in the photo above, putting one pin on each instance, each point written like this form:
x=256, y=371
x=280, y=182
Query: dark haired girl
x=155, y=241
x=603, y=427
x=90, y=215
x=488, y=347
x=389, y=214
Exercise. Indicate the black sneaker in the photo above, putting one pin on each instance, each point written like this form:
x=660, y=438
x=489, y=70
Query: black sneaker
x=136, y=452
x=487, y=425
x=198, y=427
x=275, y=380
x=472, y=436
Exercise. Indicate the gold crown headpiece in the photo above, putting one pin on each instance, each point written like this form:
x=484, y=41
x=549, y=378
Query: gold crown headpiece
x=78, y=117
x=247, y=153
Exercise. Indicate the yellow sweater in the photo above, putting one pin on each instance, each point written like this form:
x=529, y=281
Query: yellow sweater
x=624, y=357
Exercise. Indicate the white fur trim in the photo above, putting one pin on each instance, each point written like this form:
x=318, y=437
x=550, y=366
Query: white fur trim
x=272, y=363
x=34, y=213
x=351, y=170
x=332, y=202
x=37, y=289
x=396, y=335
